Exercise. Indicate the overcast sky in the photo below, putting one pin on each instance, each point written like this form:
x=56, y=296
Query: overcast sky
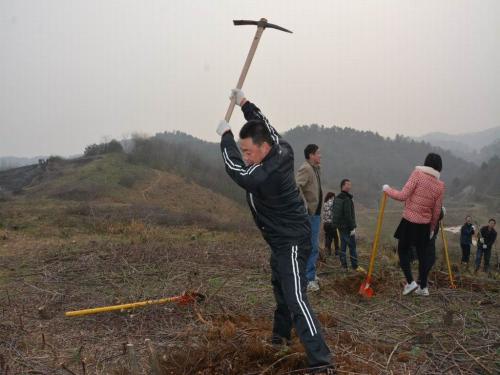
x=74, y=72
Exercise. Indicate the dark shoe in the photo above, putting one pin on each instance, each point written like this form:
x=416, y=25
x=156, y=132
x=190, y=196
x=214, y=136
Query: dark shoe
x=278, y=342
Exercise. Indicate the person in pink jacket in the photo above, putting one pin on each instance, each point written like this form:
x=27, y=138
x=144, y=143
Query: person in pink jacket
x=423, y=197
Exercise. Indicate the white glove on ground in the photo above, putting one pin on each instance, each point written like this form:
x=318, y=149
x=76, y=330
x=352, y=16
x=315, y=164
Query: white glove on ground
x=223, y=127
x=238, y=95
x=353, y=232
x=385, y=187
x=431, y=235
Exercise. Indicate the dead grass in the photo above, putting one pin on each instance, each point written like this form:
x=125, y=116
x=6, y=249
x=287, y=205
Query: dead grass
x=44, y=273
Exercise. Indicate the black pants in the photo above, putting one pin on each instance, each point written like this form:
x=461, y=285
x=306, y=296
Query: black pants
x=288, y=265
x=411, y=234
x=426, y=259
x=331, y=234
x=465, y=252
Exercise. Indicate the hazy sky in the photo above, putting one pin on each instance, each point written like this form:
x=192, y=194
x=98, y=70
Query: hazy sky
x=73, y=72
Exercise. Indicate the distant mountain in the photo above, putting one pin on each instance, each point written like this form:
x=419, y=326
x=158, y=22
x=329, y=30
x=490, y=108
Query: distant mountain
x=468, y=146
x=7, y=162
x=481, y=185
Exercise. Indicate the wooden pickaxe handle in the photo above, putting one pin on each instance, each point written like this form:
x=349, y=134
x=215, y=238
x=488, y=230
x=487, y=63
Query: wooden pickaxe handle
x=245, y=69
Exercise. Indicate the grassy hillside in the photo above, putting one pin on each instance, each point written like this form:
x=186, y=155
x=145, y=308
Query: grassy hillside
x=109, y=188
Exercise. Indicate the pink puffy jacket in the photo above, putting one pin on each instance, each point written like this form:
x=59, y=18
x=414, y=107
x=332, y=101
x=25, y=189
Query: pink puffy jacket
x=423, y=196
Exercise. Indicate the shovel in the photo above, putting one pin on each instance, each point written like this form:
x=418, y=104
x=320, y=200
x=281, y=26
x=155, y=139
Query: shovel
x=184, y=299
x=447, y=257
x=365, y=289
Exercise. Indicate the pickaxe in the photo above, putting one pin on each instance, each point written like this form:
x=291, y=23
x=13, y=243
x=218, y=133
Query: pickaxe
x=261, y=25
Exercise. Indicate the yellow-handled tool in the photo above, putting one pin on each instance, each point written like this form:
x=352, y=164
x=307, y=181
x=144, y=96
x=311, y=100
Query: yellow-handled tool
x=183, y=299
x=447, y=257
x=365, y=289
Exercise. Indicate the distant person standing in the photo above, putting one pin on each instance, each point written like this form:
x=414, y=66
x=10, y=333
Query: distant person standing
x=344, y=218
x=487, y=237
x=328, y=228
x=423, y=196
x=309, y=183
x=466, y=233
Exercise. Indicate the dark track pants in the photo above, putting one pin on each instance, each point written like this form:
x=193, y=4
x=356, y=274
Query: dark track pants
x=288, y=265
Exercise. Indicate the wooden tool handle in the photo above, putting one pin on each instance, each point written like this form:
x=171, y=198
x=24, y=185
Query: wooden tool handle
x=380, y=219
x=245, y=69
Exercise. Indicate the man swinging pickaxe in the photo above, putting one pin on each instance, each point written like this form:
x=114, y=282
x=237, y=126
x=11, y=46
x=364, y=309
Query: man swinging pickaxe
x=265, y=171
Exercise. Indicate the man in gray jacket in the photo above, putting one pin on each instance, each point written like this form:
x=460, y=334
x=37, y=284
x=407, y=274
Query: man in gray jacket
x=309, y=182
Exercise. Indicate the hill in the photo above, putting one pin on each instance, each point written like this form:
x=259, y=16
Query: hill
x=482, y=185
x=110, y=185
x=472, y=146
x=365, y=157
x=9, y=162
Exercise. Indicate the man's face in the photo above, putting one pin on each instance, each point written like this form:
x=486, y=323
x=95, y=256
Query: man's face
x=315, y=158
x=468, y=219
x=347, y=187
x=253, y=153
x=491, y=224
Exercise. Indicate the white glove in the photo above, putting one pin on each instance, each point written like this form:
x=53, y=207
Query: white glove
x=353, y=232
x=481, y=240
x=485, y=246
x=238, y=95
x=431, y=235
x=223, y=127
x=385, y=187
x=444, y=211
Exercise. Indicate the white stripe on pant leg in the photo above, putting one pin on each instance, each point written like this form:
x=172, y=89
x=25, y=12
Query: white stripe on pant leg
x=297, y=296
x=300, y=291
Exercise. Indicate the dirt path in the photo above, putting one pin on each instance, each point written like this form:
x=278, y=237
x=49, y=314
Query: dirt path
x=150, y=187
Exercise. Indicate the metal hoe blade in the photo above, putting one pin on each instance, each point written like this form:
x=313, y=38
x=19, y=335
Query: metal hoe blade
x=262, y=23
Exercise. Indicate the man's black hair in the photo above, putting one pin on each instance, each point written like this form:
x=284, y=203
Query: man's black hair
x=343, y=182
x=258, y=131
x=310, y=149
x=494, y=221
x=434, y=161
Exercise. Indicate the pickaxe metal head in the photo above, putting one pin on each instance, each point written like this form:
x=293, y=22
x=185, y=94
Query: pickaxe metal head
x=262, y=23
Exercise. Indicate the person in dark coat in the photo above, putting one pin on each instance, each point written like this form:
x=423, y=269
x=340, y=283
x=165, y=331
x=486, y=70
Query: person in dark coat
x=266, y=172
x=487, y=237
x=344, y=218
x=466, y=233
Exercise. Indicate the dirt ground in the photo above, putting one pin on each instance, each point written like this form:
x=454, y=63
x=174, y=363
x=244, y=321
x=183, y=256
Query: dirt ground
x=47, y=269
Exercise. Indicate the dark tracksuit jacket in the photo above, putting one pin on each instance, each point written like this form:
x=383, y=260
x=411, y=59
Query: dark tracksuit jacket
x=280, y=214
